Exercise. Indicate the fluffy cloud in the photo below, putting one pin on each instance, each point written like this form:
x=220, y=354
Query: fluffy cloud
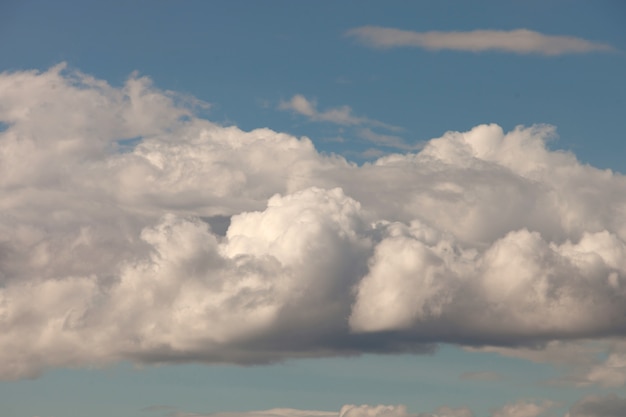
x=519, y=41
x=133, y=230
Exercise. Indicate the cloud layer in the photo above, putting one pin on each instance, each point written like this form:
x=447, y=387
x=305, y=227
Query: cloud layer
x=610, y=405
x=133, y=230
x=519, y=41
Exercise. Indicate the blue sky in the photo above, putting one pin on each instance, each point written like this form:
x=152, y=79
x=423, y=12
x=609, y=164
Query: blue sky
x=128, y=127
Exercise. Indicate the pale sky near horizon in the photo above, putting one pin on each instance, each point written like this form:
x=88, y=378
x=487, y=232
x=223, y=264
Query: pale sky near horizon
x=351, y=208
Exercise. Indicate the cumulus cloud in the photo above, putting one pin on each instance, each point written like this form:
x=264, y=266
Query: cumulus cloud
x=198, y=242
x=519, y=41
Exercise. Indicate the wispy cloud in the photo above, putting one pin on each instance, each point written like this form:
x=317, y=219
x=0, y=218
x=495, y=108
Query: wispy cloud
x=339, y=115
x=342, y=115
x=519, y=41
x=390, y=141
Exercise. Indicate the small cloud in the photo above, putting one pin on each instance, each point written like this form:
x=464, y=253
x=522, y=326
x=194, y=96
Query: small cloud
x=519, y=41
x=390, y=141
x=338, y=115
x=481, y=376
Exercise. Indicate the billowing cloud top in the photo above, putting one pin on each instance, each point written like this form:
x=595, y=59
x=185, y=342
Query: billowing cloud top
x=519, y=41
x=130, y=229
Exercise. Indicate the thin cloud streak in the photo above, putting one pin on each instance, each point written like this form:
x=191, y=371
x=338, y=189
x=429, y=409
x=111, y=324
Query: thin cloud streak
x=390, y=141
x=519, y=41
x=342, y=115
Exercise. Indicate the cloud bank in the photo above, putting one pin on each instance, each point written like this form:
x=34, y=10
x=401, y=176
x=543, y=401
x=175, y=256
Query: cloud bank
x=131, y=229
x=519, y=41
x=610, y=405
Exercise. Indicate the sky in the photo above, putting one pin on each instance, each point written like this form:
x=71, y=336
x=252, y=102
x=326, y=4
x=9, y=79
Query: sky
x=312, y=209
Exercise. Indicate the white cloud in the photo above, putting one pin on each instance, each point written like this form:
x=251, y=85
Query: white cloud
x=482, y=238
x=520, y=41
